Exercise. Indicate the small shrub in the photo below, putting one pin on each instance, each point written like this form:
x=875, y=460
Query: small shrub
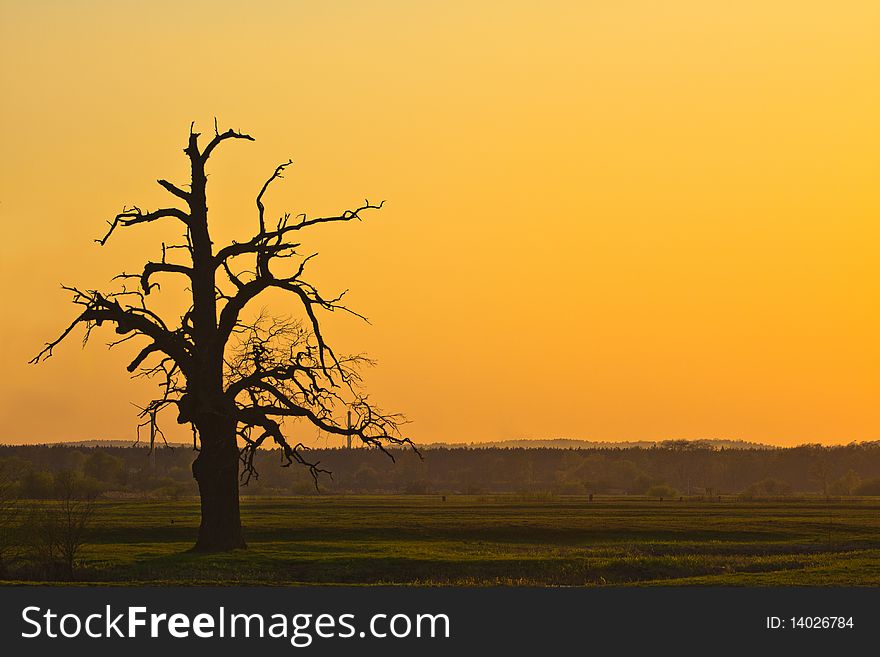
x=846, y=485
x=767, y=488
x=661, y=490
x=869, y=487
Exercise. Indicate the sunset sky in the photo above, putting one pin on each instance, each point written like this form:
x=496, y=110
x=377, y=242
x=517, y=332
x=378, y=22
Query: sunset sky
x=617, y=220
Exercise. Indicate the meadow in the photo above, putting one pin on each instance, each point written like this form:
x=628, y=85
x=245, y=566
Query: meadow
x=495, y=540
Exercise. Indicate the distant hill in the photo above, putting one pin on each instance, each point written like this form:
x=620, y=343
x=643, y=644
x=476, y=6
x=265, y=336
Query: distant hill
x=521, y=443
x=117, y=443
x=571, y=443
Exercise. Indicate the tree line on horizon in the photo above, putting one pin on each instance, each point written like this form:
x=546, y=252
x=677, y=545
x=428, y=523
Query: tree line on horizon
x=674, y=468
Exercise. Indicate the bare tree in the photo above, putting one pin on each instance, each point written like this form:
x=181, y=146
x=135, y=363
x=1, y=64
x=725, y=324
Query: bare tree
x=234, y=381
x=57, y=530
x=9, y=519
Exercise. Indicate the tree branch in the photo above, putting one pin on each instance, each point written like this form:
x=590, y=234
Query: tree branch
x=162, y=267
x=100, y=309
x=133, y=216
x=219, y=138
x=173, y=189
x=261, y=210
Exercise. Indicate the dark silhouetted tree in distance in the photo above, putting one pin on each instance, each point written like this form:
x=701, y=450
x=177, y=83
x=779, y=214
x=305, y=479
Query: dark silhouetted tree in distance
x=234, y=380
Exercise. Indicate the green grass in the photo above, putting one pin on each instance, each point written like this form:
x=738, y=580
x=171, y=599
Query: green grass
x=495, y=540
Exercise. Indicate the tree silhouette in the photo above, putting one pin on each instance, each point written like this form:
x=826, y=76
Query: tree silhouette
x=234, y=380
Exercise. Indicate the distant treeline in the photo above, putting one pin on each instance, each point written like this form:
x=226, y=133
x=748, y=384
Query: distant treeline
x=671, y=468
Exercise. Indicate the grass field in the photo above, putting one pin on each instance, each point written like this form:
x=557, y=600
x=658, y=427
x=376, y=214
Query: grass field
x=479, y=540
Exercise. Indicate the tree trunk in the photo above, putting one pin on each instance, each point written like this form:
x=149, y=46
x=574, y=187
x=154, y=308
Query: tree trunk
x=216, y=472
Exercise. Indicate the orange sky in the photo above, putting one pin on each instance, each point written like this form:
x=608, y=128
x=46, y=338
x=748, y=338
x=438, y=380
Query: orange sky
x=604, y=220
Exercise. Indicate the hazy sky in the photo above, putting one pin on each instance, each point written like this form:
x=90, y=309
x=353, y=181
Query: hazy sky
x=604, y=220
